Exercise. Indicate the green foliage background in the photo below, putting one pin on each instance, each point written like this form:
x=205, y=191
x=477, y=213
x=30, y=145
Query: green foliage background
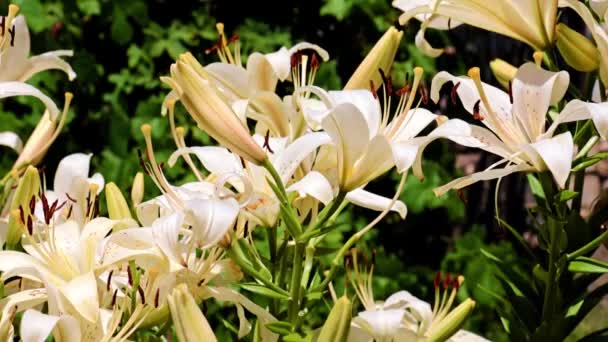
x=122, y=47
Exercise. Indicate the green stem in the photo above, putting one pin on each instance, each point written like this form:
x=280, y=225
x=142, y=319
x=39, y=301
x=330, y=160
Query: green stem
x=296, y=278
x=291, y=218
x=328, y=211
x=579, y=181
x=237, y=255
x=589, y=247
x=551, y=281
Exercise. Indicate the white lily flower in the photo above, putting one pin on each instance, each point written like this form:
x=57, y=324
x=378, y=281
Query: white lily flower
x=260, y=202
x=12, y=140
x=515, y=125
x=530, y=21
x=598, y=31
x=405, y=318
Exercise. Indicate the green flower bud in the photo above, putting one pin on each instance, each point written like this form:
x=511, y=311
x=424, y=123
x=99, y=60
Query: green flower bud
x=578, y=51
x=381, y=56
x=25, y=195
x=451, y=323
x=337, y=325
x=137, y=191
x=190, y=323
x=503, y=71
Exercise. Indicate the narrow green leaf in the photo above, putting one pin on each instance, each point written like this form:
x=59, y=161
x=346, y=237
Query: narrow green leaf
x=280, y=327
x=263, y=291
x=535, y=186
x=567, y=195
x=588, y=265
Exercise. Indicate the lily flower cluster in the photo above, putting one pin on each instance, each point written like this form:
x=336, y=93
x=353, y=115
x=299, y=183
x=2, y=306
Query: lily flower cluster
x=286, y=165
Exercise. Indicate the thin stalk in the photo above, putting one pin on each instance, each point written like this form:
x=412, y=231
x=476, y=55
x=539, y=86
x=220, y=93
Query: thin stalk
x=296, y=278
x=337, y=261
x=328, y=211
x=551, y=281
x=589, y=247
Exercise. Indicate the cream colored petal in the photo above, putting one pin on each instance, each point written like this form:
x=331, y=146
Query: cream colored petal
x=268, y=108
x=534, y=90
x=261, y=75
x=215, y=159
x=417, y=310
x=557, y=154
x=280, y=61
x=461, y=133
x=423, y=44
x=503, y=125
x=308, y=46
x=404, y=155
x=11, y=260
x=466, y=336
x=48, y=61
x=349, y=131
x=576, y=110
x=81, y=294
x=287, y=161
x=70, y=169
x=15, y=58
x=314, y=184
x=364, y=100
x=166, y=231
x=375, y=161
x=416, y=120
x=24, y=300
x=600, y=7
x=435, y=22
x=381, y=324
x=481, y=176
x=11, y=140
x=36, y=326
x=11, y=88
x=366, y=199
x=231, y=79
x=212, y=218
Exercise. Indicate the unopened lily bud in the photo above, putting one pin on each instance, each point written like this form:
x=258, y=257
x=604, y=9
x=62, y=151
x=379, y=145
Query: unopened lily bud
x=380, y=57
x=118, y=208
x=337, y=325
x=212, y=114
x=578, y=51
x=137, y=191
x=23, y=200
x=503, y=71
x=452, y=322
x=190, y=323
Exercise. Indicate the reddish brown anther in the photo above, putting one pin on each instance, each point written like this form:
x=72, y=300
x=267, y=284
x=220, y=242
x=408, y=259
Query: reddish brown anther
x=156, y=298
x=372, y=88
x=437, y=280
x=30, y=225
x=296, y=59
x=462, y=197
x=32, y=204
x=315, y=62
x=476, y=112
x=114, y=298
x=446, y=281
x=510, y=92
x=21, y=215
x=266, y=144
x=215, y=47
x=109, y=280
x=141, y=294
x=129, y=275
x=454, y=93
x=456, y=284
x=424, y=93
x=234, y=38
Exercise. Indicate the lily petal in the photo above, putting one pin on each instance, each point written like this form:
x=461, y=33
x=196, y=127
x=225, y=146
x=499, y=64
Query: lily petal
x=81, y=294
x=416, y=120
x=287, y=161
x=481, y=176
x=261, y=75
x=212, y=218
x=11, y=140
x=557, y=155
x=577, y=110
x=47, y=61
x=534, y=90
x=314, y=184
x=13, y=88
x=70, y=169
x=381, y=323
x=217, y=160
x=366, y=199
x=349, y=131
